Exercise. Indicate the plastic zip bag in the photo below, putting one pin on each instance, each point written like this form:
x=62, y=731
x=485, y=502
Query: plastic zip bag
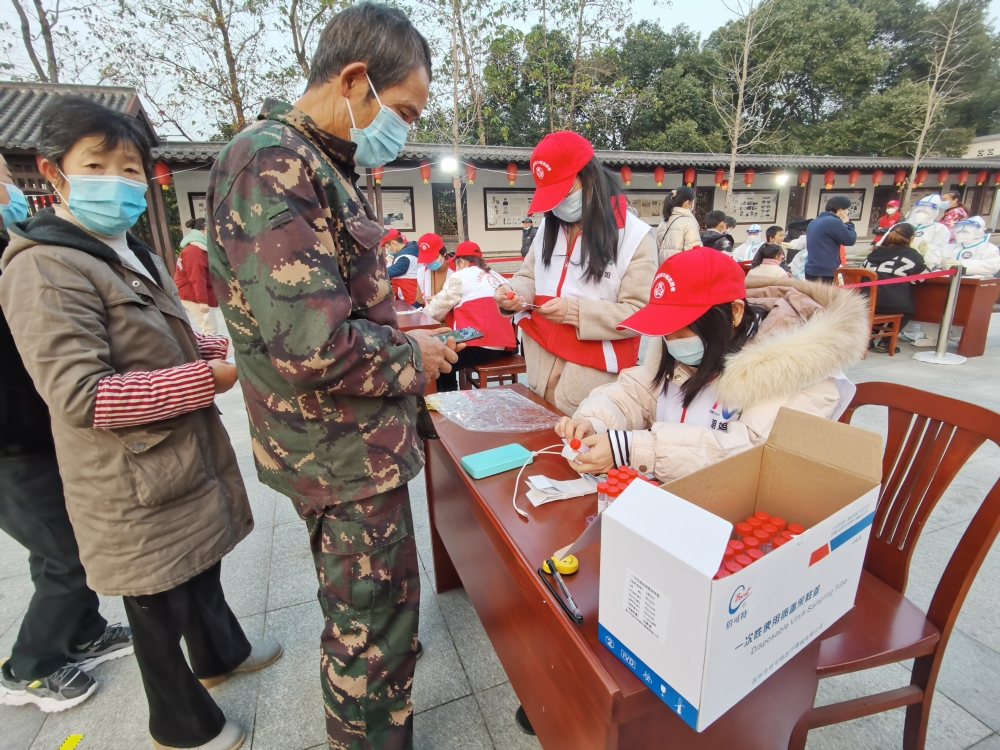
x=492, y=410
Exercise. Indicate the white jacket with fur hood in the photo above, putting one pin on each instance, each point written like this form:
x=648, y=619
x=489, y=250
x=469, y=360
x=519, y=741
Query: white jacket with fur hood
x=811, y=333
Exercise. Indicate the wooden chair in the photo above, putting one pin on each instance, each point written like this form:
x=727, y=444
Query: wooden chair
x=745, y=265
x=930, y=438
x=883, y=326
x=499, y=371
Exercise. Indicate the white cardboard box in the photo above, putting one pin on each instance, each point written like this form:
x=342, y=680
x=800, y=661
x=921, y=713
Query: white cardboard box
x=702, y=645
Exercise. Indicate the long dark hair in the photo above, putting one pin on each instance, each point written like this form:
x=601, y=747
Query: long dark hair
x=768, y=250
x=958, y=197
x=677, y=198
x=901, y=235
x=600, y=228
x=476, y=261
x=715, y=329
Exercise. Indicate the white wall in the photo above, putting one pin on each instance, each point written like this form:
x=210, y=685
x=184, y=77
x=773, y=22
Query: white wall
x=984, y=147
x=195, y=181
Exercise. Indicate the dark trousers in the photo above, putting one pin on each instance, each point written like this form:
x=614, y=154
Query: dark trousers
x=470, y=356
x=63, y=612
x=820, y=279
x=181, y=712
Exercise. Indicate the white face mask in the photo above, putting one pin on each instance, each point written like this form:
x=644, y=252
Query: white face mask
x=922, y=216
x=690, y=350
x=969, y=236
x=570, y=208
x=891, y=210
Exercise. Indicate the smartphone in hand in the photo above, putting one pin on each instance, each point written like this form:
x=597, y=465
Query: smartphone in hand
x=461, y=335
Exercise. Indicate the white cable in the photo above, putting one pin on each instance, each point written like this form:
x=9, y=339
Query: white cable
x=517, y=481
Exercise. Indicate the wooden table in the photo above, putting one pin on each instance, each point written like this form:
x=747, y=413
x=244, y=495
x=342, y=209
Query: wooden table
x=575, y=692
x=976, y=298
x=414, y=321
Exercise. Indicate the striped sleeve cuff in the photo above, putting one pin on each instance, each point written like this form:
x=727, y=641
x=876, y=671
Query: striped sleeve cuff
x=138, y=398
x=212, y=347
x=621, y=447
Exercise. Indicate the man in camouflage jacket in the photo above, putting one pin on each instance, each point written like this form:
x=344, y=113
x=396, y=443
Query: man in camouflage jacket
x=329, y=381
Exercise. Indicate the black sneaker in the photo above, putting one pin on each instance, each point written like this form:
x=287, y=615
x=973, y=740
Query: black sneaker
x=64, y=688
x=115, y=642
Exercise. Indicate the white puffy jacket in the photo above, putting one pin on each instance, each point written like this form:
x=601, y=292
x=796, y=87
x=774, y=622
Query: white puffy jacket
x=812, y=332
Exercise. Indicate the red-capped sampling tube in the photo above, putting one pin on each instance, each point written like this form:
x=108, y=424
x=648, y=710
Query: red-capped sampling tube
x=602, y=496
x=743, y=529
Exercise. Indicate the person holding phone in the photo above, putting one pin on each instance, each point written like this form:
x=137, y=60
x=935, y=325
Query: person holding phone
x=589, y=268
x=467, y=301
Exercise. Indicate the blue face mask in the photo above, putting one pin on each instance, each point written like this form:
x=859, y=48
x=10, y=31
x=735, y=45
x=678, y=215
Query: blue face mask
x=435, y=265
x=16, y=209
x=104, y=203
x=380, y=142
x=689, y=351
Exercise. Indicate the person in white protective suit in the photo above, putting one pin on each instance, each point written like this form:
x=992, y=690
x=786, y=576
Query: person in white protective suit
x=930, y=240
x=971, y=249
x=931, y=236
x=748, y=249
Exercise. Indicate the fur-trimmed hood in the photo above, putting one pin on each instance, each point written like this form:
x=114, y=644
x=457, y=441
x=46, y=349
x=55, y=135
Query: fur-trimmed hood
x=812, y=331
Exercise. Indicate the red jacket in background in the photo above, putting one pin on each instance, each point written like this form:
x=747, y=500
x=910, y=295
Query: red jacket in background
x=194, y=283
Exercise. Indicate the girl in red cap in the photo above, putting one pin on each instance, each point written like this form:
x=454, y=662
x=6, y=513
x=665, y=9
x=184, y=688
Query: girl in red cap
x=467, y=300
x=432, y=266
x=588, y=268
x=888, y=219
x=734, y=352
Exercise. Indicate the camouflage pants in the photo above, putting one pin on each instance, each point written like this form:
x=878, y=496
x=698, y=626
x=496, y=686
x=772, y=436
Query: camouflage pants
x=369, y=589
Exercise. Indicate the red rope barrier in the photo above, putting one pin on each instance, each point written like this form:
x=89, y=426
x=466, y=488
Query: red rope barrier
x=903, y=279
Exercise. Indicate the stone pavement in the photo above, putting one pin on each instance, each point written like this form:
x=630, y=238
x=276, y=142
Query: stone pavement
x=462, y=696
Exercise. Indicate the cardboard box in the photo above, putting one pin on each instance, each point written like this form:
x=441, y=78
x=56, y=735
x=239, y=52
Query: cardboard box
x=702, y=645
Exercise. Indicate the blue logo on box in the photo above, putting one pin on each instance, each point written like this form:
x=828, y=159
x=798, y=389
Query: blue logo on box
x=650, y=679
x=738, y=599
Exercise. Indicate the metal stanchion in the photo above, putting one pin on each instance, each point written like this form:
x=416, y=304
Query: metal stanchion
x=941, y=355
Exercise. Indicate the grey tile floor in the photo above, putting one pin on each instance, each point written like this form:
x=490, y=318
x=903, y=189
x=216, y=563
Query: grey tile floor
x=462, y=697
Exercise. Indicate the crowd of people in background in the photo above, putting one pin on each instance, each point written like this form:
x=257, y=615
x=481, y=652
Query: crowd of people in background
x=117, y=474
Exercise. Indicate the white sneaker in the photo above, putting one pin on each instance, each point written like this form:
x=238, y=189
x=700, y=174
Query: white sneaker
x=924, y=341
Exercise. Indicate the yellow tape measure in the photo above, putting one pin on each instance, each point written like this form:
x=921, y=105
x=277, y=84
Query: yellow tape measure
x=567, y=566
x=71, y=742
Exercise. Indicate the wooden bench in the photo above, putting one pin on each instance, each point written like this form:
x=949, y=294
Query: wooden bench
x=498, y=372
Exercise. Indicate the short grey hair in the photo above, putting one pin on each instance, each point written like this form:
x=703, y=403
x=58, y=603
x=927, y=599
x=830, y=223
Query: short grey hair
x=376, y=34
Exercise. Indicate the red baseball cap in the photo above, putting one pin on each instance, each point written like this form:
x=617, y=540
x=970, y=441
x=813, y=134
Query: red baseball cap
x=467, y=248
x=555, y=162
x=685, y=286
x=894, y=203
x=430, y=247
x=392, y=234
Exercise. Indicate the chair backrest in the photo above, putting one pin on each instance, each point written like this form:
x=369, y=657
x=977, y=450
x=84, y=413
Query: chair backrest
x=929, y=440
x=745, y=265
x=844, y=276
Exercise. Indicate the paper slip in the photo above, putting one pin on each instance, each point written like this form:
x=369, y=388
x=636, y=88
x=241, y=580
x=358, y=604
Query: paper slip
x=570, y=455
x=407, y=312
x=544, y=490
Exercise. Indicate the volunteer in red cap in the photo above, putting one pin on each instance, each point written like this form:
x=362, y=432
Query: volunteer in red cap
x=588, y=269
x=888, y=220
x=432, y=266
x=734, y=351
x=467, y=301
x=401, y=262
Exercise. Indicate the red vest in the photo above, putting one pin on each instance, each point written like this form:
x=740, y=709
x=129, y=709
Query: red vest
x=565, y=277
x=405, y=288
x=478, y=309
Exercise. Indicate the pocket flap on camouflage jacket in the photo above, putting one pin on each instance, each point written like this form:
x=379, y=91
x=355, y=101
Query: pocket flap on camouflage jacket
x=363, y=230
x=354, y=537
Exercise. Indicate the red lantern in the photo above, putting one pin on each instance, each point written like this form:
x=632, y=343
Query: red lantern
x=877, y=177
x=658, y=176
x=980, y=176
x=689, y=176
x=996, y=179
x=942, y=177
x=963, y=177
x=921, y=177
x=803, y=177
x=511, y=172
x=853, y=176
x=725, y=185
x=720, y=177
x=378, y=173
x=828, y=178
x=425, y=171
x=162, y=172
x=901, y=176
x=627, y=175
x=470, y=172
x=748, y=177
